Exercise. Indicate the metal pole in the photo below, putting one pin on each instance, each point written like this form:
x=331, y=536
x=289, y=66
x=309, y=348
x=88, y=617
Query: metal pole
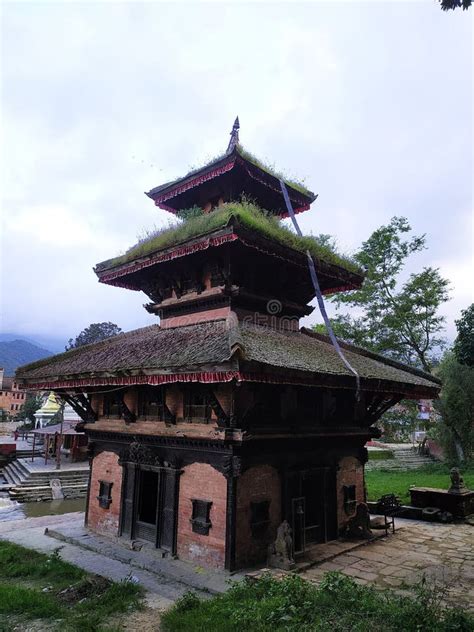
x=60, y=439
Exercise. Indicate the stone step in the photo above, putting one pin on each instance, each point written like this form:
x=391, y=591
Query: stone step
x=25, y=488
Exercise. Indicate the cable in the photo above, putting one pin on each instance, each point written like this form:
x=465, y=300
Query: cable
x=319, y=296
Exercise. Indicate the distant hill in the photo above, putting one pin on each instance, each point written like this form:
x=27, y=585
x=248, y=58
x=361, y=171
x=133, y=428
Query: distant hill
x=14, y=353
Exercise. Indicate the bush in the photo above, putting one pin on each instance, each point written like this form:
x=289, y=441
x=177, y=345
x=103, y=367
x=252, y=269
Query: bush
x=338, y=604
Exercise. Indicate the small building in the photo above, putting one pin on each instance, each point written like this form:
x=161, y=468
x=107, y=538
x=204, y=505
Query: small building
x=48, y=410
x=209, y=429
x=11, y=397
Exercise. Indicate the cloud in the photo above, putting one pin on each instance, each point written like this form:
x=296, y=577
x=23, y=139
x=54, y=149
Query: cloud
x=104, y=101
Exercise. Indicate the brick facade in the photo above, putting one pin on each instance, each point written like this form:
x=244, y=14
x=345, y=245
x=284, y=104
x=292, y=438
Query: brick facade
x=197, y=317
x=11, y=398
x=105, y=467
x=257, y=484
x=350, y=472
x=202, y=482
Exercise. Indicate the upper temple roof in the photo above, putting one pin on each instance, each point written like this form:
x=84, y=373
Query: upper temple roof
x=228, y=177
x=221, y=351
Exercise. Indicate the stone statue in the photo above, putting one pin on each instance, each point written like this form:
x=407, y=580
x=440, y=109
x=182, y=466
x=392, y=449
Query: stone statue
x=359, y=524
x=280, y=552
x=457, y=482
x=56, y=489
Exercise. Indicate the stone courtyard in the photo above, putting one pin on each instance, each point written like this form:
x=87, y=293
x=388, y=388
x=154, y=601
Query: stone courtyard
x=441, y=553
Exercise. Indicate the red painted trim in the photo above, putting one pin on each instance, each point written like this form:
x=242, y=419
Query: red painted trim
x=220, y=376
x=206, y=378
x=192, y=183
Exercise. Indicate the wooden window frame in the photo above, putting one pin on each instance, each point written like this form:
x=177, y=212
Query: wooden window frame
x=108, y=405
x=144, y=403
x=350, y=498
x=259, y=517
x=105, y=494
x=200, y=519
x=190, y=410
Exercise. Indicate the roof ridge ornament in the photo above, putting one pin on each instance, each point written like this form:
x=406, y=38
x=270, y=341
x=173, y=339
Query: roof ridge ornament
x=234, y=136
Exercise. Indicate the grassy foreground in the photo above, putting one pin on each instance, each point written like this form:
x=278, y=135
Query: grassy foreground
x=34, y=586
x=338, y=604
x=381, y=482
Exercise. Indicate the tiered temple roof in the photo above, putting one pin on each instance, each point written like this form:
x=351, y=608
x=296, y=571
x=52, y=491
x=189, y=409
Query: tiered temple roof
x=221, y=351
x=227, y=175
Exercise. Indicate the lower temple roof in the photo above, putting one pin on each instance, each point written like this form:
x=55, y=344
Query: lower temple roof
x=222, y=351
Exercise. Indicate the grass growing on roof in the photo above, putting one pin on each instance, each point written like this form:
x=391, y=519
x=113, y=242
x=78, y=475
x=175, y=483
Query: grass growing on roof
x=247, y=155
x=250, y=216
x=273, y=171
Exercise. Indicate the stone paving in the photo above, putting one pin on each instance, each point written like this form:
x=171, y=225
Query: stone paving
x=443, y=553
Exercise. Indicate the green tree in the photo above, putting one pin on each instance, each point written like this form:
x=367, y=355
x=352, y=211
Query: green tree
x=31, y=405
x=3, y=415
x=464, y=343
x=397, y=319
x=399, y=423
x=456, y=406
x=448, y=5
x=94, y=333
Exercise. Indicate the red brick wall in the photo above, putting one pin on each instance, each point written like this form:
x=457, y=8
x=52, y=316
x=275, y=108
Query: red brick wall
x=351, y=472
x=197, y=317
x=201, y=481
x=105, y=467
x=259, y=483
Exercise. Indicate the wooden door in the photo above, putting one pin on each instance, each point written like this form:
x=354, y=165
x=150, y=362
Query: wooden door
x=310, y=505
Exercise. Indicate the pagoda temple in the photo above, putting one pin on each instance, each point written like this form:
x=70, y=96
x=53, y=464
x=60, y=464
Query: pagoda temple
x=209, y=429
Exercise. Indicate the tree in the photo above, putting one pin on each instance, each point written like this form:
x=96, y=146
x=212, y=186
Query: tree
x=94, y=333
x=464, y=343
x=31, y=405
x=448, y=5
x=456, y=405
x=397, y=319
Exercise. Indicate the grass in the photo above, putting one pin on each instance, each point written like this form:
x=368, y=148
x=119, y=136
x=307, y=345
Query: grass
x=271, y=169
x=380, y=455
x=381, y=481
x=294, y=605
x=249, y=216
x=38, y=586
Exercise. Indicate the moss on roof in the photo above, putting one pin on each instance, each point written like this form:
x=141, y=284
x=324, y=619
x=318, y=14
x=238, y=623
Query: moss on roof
x=273, y=171
x=250, y=217
x=154, y=350
x=246, y=155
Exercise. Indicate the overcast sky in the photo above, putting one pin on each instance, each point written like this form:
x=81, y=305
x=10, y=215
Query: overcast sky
x=370, y=103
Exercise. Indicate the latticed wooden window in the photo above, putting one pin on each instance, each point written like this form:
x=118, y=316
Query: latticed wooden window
x=112, y=401
x=201, y=516
x=349, y=498
x=151, y=402
x=259, y=517
x=105, y=494
x=196, y=405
